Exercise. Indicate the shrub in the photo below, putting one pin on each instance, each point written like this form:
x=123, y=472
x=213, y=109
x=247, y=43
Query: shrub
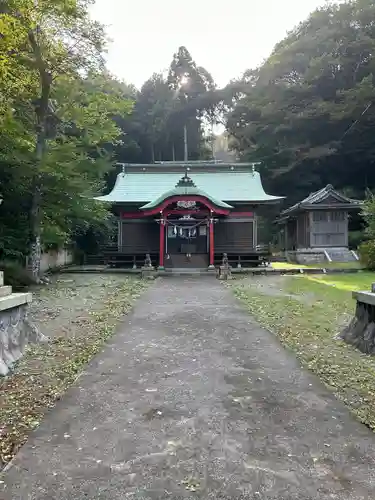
x=367, y=254
x=15, y=275
x=356, y=238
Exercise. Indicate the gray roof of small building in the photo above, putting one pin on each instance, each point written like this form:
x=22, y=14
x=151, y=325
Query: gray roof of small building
x=316, y=200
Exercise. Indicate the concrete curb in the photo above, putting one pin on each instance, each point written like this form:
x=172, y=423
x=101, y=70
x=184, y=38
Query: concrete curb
x=203, y=272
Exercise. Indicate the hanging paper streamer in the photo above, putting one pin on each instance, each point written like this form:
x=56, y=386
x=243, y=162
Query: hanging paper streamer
x=186, y=231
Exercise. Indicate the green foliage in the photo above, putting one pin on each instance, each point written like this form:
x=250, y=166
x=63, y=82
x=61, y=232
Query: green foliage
x=15, y=275
x=367, y=254
x=366, y=246
x=368, y=214
x=298, y=112
x=356, y=238
x=163, y=106
x=90, y=239
x=64, y=120
x=51, y=55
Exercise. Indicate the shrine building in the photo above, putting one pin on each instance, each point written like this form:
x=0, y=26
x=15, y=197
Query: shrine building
x=317, y=228
x=187, y=214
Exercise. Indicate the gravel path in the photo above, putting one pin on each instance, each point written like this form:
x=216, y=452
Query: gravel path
x=192, y=399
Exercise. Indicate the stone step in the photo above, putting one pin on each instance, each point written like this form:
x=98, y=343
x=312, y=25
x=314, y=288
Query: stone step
x=341, y=255
x=5, y=291
x=180, y=261
x=188, y=272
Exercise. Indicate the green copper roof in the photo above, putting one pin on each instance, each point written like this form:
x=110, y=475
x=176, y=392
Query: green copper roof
x=185, y=186
x=228, y=183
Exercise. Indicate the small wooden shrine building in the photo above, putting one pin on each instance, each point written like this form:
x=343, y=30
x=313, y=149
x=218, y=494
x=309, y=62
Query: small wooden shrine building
x=318, y=223
x=187, y=214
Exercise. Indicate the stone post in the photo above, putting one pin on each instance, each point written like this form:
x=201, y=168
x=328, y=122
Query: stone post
x=16, y=331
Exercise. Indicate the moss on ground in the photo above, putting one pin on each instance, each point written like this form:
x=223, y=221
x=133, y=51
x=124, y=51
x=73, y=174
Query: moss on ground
x=47, y=370
x=306, y=314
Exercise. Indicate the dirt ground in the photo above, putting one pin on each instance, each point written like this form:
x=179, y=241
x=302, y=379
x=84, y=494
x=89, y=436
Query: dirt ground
x=274, y=286
x=78, y=312
x=67, y=304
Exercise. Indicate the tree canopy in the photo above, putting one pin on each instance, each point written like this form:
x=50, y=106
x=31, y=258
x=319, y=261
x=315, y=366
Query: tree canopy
x=57, y=106
x=308, y=112
x=66, y=122
x=163, y=107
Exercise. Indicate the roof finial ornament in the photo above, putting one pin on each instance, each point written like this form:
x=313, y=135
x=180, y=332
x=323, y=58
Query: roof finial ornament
x=186, y=180
x=253, y=165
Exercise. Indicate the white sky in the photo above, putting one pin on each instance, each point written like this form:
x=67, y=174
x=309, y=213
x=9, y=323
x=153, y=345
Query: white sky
x=225, y=36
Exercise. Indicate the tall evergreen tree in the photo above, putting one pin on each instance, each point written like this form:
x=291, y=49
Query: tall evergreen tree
x=189, y=82
x=298, y=112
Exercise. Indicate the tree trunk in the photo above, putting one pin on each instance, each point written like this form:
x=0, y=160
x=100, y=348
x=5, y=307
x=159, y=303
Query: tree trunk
x=152, y=153
x=35, y=212
x=173, y=152
x=36, y=191
x=41, y=111
x=35, y=243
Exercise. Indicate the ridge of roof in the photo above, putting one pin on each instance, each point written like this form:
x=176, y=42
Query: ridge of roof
x=318, y=196
x=192, y=164
x=168, y=166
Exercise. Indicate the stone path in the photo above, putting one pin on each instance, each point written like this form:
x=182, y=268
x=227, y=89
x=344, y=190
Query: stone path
x=192, y=394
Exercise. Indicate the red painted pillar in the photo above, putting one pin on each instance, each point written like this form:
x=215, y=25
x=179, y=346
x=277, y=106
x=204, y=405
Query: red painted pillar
x=212, y=246
x=162, y=243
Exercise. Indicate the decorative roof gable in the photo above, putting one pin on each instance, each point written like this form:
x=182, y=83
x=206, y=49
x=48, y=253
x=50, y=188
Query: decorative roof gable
x=324, y=198
x=185, y=187
x=328, y=193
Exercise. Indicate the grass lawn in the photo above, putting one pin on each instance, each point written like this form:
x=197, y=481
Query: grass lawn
x=79, y=313
x=346, y=282
x=323, y=265
x=287, y=265
x=306, y=313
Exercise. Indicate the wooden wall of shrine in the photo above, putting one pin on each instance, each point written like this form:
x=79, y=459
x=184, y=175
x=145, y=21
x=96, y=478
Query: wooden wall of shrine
x=317, y=229
x=138, y=236
x=232, y=236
